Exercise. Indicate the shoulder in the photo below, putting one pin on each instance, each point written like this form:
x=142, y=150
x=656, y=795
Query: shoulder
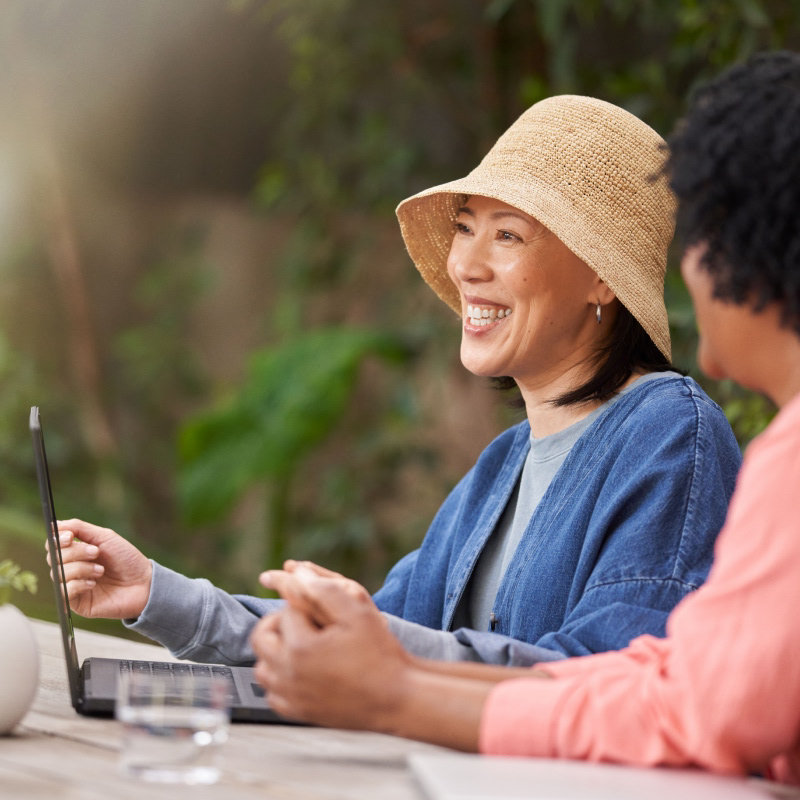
x=670, y=412
x=672, y=399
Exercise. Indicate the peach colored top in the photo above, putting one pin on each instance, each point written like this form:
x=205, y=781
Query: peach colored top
x=722, y=691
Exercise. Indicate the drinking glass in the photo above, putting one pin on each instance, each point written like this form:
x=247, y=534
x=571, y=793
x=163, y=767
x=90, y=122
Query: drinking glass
x=173, y=726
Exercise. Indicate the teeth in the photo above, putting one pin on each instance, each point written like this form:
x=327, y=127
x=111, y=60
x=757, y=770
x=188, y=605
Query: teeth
x=486, y=316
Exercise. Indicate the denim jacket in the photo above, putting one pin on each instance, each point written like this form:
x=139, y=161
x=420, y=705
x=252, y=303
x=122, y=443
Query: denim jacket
x=625, y=530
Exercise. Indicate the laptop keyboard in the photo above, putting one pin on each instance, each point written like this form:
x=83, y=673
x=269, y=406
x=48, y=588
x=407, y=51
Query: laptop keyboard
x=169, y=669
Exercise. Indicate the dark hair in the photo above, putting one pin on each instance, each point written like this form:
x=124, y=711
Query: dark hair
x=735, y=167
x=627, y=348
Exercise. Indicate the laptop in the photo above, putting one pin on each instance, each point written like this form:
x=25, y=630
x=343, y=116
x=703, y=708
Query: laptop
x=93, y=684
x=455, y=776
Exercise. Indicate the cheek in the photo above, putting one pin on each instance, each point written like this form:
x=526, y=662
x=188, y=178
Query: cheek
x=450, y=265
x=708, y=359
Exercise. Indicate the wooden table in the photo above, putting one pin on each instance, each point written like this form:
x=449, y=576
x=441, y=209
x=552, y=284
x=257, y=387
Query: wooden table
x=56, y=753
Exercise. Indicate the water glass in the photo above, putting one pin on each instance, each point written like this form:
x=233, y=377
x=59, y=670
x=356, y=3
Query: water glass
x=173, y=726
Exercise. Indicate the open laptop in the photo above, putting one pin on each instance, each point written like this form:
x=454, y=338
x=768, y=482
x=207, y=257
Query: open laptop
x=93, y=684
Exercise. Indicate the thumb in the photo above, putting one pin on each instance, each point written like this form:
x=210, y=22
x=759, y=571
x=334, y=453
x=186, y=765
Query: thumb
x=85, y=531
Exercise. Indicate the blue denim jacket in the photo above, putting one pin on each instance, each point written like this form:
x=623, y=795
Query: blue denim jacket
x=625, y=530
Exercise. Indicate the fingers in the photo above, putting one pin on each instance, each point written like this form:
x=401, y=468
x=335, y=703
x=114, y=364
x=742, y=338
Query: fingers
x=85, y=531
x=288, y=588
x=283, y=642
x=276, y=579
x=265, y=636
x=83, y=571
x=290, y=566
x=65, y=539
x=79, y=551
x=80, y=570
x=75, y=589
x=330, y=600
x=77, y=557
x=296, y=628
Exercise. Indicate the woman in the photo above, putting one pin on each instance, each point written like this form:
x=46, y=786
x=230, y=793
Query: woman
x=582, y=526
x=722, y=690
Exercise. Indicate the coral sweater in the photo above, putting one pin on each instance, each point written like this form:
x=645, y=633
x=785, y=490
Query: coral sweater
x=722, y=690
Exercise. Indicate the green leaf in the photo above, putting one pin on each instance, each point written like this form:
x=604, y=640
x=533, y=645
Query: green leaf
x=12, y=577
x=293, y=396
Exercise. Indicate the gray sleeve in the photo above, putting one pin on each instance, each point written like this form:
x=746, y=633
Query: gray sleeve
x=495, y=648
x=194, y=619
x=467, y=645
x=429, y=643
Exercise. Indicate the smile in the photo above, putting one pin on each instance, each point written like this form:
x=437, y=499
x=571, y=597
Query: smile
x=482, y=315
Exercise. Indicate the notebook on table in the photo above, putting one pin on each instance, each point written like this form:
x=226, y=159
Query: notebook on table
x=455, y=776
x=93, y=683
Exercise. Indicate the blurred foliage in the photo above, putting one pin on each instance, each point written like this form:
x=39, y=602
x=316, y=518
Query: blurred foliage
x=322, y=115
x=16, y=579
x=293, y=396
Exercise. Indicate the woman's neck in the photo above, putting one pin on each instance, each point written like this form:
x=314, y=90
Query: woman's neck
x=547, y=418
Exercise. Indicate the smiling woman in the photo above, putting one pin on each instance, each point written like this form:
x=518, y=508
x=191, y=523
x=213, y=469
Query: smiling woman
x=580, y=527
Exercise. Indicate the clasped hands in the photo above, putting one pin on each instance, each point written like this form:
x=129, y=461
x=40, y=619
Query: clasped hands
x=328, y=657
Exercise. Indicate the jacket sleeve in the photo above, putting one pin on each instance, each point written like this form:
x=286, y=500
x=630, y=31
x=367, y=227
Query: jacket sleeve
x=466, y=645
x=195, y=620
x=391, y=597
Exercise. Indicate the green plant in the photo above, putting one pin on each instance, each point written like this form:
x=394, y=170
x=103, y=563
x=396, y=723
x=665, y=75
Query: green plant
x=12, y=577
x=294, y=395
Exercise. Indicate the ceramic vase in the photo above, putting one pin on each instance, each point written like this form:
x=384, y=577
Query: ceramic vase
x=19, y=666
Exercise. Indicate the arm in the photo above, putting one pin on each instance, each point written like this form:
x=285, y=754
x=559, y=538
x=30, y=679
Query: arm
x=428, y=643
x=331, y=635
x=196, y=620
x=723, y=690
x=106, y=576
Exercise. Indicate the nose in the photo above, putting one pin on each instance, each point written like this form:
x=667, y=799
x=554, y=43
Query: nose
x=468, y=260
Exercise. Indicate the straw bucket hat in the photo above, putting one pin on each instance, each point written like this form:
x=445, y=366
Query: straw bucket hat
x=589, y=171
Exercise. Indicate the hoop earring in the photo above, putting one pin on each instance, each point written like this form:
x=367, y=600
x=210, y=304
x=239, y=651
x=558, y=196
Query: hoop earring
x=599, y=313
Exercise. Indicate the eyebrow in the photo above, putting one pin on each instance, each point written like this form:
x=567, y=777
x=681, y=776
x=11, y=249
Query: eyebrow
x=497, y=214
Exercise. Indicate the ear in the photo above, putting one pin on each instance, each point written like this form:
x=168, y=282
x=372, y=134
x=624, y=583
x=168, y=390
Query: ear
x=600, y=293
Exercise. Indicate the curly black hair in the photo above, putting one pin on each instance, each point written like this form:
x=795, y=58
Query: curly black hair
x=735, y=167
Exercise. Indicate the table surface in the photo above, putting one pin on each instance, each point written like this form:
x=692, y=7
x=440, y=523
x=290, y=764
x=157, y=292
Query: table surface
x=55, y=752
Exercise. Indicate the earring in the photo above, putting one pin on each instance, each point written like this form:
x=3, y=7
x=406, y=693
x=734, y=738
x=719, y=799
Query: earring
x=599, y=313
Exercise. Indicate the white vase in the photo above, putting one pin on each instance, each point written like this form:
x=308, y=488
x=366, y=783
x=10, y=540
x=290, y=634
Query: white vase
x=19, y=666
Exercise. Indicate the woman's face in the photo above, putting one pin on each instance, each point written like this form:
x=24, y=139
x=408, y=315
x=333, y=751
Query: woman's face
x=735, y=341
x=725, y=330
x=528, y=303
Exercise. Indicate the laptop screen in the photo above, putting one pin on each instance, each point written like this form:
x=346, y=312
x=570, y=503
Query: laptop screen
x=54, y=547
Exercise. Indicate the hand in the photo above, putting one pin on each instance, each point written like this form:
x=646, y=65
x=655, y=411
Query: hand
x=105, y=575
x=347, y=671
x=290, y=583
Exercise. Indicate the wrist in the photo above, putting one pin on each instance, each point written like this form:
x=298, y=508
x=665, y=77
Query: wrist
x=435, y=707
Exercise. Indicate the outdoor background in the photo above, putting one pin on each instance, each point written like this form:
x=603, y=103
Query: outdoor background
x=202, y=282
